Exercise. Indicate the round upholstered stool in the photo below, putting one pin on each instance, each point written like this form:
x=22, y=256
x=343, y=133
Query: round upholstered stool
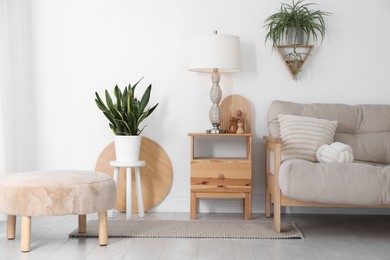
x=56, y=193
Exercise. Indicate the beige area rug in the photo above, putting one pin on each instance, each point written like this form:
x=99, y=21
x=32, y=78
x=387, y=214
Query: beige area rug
x=252, y=229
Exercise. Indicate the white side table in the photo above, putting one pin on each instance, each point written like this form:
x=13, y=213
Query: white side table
x=128, y=166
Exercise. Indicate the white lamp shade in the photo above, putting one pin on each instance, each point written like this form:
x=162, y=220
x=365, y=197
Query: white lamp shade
x=216, y=51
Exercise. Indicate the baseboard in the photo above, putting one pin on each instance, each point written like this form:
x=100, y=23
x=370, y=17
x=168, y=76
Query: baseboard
x=3, y=217
x=182, y=204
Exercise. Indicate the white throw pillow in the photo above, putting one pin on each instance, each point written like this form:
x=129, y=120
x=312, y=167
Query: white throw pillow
x=302, y=136
x=336, y=152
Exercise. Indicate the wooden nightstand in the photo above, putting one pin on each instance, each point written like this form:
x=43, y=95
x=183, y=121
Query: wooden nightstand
x=221, y=177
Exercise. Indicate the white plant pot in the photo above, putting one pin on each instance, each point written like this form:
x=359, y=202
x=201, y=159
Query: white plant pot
x=127, y=148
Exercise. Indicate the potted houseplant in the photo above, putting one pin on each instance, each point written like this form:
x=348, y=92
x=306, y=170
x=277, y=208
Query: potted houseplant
x=125, y=114
x=294, y=22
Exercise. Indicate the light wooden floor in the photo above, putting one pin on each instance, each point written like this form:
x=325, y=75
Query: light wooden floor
x=326, y=237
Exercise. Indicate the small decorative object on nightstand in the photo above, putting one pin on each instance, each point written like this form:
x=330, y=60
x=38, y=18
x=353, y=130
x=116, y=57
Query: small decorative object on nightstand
x=232, y=128
x=240, y=129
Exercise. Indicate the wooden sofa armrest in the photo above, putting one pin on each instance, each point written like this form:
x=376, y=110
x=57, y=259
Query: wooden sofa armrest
x=273, y=194
x=268, y=138
x=273, y=145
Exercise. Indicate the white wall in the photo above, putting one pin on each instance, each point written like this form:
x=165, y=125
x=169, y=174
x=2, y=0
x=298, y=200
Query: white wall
x=17, y=108
x=79, y=47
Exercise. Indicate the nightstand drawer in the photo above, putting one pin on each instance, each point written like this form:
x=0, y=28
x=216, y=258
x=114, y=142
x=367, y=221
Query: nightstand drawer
x=224, y=169
x=220, y=185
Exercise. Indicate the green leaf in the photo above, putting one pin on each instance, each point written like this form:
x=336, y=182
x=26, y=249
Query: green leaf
x=125, y=126
x=109, y=117
x=137, y=83
x=129, y=100
x=109, y=101
x=140, y=131
x=145, y=99
x=132, y=122
x=150, y=110
x=125, y=97
x=100, y=103
x=113, y=128
x=118, y=96
x=117, y=114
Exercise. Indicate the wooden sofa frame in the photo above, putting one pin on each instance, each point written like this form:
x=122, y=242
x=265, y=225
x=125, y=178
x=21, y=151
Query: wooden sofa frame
x=273, y=194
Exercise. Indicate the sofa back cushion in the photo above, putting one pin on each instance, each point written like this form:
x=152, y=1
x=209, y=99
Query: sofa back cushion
x=366, y=128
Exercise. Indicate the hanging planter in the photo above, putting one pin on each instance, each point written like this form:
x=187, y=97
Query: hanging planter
x=294, y=25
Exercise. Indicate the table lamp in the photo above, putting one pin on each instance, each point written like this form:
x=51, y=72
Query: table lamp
x=216, y=53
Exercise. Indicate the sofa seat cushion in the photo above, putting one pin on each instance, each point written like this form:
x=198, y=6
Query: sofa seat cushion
x=335, y=183
x=54, y=193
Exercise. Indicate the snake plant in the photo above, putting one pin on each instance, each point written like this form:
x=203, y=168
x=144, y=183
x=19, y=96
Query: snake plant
x=127, y=112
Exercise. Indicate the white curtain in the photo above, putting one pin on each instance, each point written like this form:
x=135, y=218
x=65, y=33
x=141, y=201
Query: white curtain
x=17, y=131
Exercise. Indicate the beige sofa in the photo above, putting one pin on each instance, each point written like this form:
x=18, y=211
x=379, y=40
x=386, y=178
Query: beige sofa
x=363, y=183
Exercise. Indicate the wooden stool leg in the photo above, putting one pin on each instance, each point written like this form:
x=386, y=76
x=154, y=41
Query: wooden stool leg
x=103, y=236
x=11, y=224
x=82, y=223
x=26, y=234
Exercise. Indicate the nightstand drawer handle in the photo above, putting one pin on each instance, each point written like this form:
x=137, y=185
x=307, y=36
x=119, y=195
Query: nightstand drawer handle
x=221, y=176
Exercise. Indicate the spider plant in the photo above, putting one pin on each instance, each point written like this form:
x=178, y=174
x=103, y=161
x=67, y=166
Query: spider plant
x=295, y=61
x=127, y=112
x=296, y=17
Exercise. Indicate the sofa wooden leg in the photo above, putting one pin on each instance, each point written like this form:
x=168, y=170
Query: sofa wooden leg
x=11, y=224
x=25, y=234
x=103, y=236
x=277, y=211
x=82, y=223
x=267, y=203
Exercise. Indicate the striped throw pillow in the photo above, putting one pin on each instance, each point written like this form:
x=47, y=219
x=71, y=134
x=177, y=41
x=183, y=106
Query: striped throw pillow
x=302, y=136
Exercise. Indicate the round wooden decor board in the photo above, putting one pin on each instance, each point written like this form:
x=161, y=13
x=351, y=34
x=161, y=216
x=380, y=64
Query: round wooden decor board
x=156, y=176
